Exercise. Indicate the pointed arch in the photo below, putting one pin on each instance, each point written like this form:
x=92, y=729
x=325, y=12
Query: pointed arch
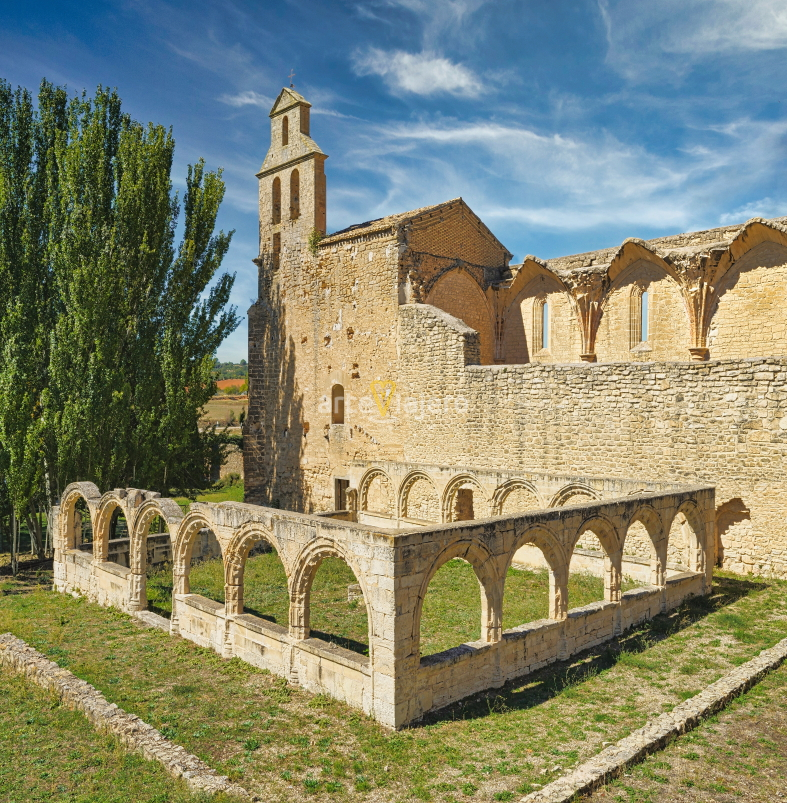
x=687, y=544
x=276, y=201
x=383, y=498
x=606, y=533
x=575, y=489
x=651, y=544
x=295, y=194
x=458, y=293
x=184, y=544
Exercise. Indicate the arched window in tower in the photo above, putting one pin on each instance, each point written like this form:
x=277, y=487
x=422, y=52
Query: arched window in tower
x=640, y=313
x=276, y=201
x=295, y=195
x=337, y=404
x=285, y=131
x=540, y=325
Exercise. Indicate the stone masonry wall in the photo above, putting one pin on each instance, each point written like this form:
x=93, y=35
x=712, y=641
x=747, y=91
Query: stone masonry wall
x=722, y=422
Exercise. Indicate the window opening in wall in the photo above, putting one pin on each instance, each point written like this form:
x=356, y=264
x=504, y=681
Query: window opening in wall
x=337, y=404
x=340, y=495
x=451, y=612
x=205, y=573
x=540, y=325
x=276, y=250
x=276, y=201
x=337, y=611
x=295, y=195
x=545, y=325
x=639, y=318
x=285, y=131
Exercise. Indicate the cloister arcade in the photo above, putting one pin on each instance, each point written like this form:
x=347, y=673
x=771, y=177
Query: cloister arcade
x=394, y=568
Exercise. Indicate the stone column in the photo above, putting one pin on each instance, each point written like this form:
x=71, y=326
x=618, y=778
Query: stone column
x=587, y=287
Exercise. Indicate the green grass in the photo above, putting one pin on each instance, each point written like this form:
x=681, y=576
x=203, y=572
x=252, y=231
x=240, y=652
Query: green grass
x=451, y=614
x=50, y=753
x=493, y=743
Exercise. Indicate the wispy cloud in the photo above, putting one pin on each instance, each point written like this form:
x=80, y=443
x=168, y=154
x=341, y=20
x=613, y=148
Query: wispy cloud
x=419, y=73
x=671, y=35
x=765, y=207
x=248, y=98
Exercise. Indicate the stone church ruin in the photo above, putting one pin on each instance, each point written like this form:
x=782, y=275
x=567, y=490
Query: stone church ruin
x=415, y=398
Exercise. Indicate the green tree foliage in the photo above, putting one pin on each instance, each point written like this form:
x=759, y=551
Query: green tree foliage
x=108, y=326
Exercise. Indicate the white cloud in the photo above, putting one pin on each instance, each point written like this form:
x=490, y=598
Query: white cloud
x=248, y=98
x=670, y=35
x=443, y=17
x=420, y=73
x=765, y=207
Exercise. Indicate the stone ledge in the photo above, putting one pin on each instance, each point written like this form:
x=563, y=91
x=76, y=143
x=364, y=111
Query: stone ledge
x=612, y=761
x=135, y=734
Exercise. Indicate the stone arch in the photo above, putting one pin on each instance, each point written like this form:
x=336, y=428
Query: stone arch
x=455, y=508
x=235, y=557
x=516, y=496
x=747, y=313
x=575, y=489
x=306, y=565
x=491, y=589
x=645, y=538
x=459, y=294
x=686, y=546
x=669, y=328
x=611, y=545
x=172, y=515
x=91, y=496
x=383, y=497
x=181, y=551
x=522, y=333
x=426, y=503
x=110, y=502
x=557, y=562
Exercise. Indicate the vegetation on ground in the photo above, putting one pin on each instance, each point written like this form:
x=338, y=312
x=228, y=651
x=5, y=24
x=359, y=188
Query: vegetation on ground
x=284, y=743
x=230, y=370
x=739, y=754
x=451, y=614
x=50, y=753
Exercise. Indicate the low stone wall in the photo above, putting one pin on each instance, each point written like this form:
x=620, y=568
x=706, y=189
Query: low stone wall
x=610, y=763
x=449, y=676
x=394, y=569
x=135, y=734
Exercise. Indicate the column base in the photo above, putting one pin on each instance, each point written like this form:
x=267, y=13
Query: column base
x=589, y=357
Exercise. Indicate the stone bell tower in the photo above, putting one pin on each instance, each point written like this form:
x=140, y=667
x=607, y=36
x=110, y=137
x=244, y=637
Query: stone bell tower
x=291, y=183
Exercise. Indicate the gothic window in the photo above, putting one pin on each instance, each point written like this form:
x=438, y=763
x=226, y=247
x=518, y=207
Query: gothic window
x=639, y=321
x=285, y=131
x=276, y=216
x=276, y=250
x=337, y=404
x=540, y=325
x=295, y=195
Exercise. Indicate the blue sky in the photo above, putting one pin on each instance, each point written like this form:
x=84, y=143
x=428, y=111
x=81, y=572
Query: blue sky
x=567, y=125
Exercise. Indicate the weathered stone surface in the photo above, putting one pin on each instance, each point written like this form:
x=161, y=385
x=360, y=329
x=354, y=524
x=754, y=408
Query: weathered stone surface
x=135, y=734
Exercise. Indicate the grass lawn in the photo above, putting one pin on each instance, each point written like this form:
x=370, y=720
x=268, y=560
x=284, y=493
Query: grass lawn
x=50, y=753
x=282, y=742
x=452, y=608
x=219, y=407
x=739, y=754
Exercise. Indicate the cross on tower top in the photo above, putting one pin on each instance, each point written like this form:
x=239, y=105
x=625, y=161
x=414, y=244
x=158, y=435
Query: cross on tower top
x=292, y=75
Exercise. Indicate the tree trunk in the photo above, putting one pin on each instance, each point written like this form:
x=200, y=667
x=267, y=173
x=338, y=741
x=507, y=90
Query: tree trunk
x=14, y=545
x=34, y=526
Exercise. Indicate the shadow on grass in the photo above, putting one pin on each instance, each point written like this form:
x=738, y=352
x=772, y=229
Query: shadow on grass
x=342, y=641
x=544, y=684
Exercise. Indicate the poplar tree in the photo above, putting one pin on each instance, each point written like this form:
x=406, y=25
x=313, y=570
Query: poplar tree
x=108, y=328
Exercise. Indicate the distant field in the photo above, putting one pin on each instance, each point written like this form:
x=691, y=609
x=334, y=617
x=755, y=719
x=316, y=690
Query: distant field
x=219, y=407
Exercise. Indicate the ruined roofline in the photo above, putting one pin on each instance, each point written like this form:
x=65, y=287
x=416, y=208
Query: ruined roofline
x=391, y=221
x=687, y=242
